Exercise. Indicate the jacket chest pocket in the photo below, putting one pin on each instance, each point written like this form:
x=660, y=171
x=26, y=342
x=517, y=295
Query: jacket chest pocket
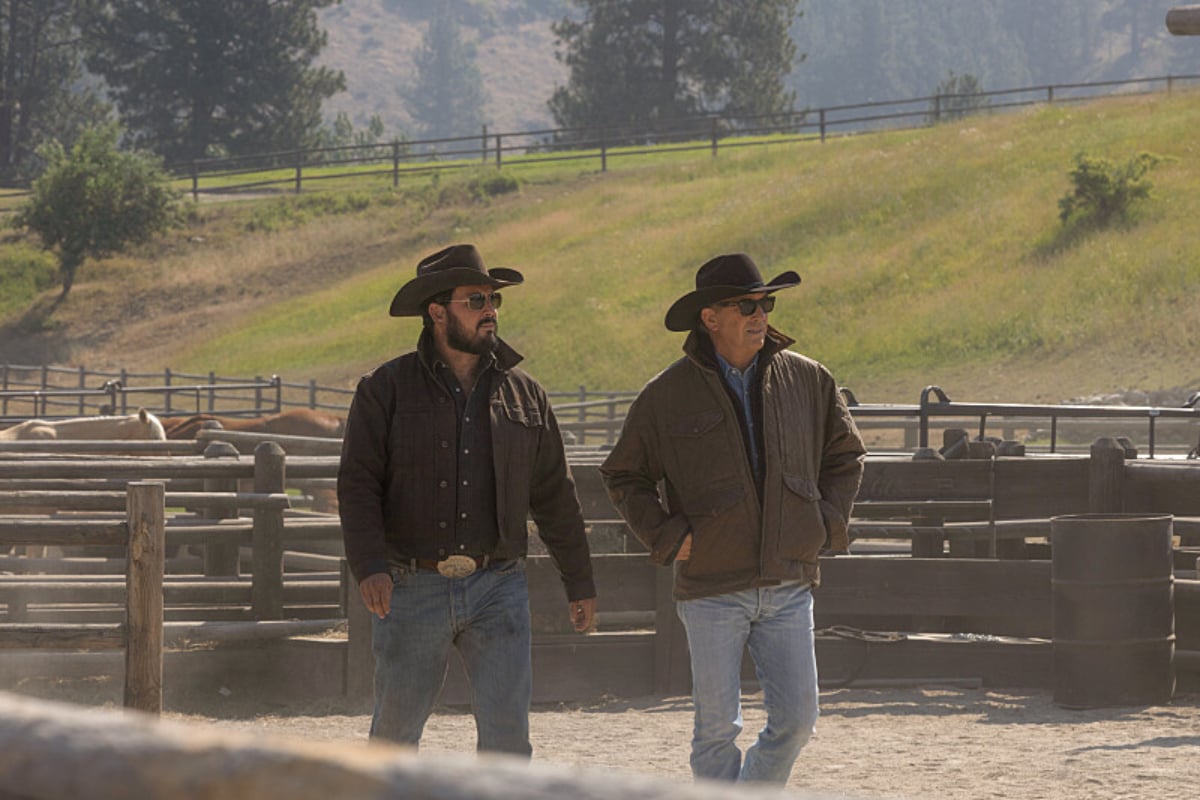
x=517, y=434
x=698, y=446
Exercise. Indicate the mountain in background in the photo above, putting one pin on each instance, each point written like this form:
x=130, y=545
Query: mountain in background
x=856, y=52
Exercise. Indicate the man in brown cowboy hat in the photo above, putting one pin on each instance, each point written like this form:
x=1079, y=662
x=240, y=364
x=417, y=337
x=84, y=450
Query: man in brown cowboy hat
x=759, y=462
x=447, y=450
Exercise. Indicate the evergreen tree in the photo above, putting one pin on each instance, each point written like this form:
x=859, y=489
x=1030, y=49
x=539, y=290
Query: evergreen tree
x=635, y=62
x=195, y=78
x=447, y=96
x=41, y=98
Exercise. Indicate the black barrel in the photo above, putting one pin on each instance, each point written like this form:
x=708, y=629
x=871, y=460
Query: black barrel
x=1114, y=617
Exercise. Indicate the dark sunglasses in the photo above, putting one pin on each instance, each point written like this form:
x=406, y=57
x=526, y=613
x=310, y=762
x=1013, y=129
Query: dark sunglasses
x=477, y=300
x=747, y=306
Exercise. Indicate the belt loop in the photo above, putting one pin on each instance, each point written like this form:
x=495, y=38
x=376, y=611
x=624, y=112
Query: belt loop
x=412, y=565
x=487, y=559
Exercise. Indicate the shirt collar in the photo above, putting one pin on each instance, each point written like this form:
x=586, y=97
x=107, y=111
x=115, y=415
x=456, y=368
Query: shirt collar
x=727, y=369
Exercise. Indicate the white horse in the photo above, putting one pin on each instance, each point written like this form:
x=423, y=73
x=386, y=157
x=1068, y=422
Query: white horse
x=142, y=425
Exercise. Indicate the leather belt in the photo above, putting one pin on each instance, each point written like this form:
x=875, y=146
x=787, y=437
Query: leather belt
x=456, y=566
x=431, y=564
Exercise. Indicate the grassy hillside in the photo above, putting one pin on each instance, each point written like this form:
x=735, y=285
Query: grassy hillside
x=928, y=256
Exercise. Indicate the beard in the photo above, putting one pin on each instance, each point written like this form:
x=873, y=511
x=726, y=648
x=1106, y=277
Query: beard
x=460, y=338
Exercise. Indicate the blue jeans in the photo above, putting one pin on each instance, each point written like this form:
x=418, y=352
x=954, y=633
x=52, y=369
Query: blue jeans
x=777, y=624
x=486, y=617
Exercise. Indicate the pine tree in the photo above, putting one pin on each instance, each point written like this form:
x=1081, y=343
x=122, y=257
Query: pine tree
x=636, y=62
x=194, y=78
x=40, y=99
x=447, y=95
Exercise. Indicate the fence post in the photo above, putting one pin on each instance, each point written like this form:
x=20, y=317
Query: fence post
x=4, y=377
x=212, y=392
x=498, y=148
x=672, y=667
x=195, y=180
x=603, y=153
x=266, y=579
x=1170, y=84
x=312, y=392
x=299, y=168
x=582, y=438
x=937, y=109
x=611, y=435
x=1049, y=94
x=167, y=394
x=82, y=385
x=124, y=394
x=483, y=145
x=359, y=667
x=1106, y=476
x=146, y=518
x=714, y=137
x=277, y=382
x=220, y=559
x=822, y=121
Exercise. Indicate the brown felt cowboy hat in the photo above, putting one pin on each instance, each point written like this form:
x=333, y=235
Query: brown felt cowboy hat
x=457, y=265
x=724, y=276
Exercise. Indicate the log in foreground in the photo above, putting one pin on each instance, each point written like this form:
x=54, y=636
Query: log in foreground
x=55, y=750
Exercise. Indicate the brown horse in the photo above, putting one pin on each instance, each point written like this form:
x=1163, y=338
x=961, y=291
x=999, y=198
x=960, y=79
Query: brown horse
x=294, y=422
x=142, y=425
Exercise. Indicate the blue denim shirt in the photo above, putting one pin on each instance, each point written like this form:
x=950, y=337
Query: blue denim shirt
x=740, y=381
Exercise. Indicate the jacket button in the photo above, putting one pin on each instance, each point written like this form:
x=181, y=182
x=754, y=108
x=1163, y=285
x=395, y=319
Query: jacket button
x=442, y=484
x=442, y=524
x=445, y=444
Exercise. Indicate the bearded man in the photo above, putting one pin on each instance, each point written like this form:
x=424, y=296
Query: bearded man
x=447, y=451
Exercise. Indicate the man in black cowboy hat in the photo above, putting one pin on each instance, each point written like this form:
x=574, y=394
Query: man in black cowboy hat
x=447, y=451
x=759, y=462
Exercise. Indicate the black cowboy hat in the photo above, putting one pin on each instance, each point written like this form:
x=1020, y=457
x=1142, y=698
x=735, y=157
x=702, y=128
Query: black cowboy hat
x=724, y=276
x=457, y=265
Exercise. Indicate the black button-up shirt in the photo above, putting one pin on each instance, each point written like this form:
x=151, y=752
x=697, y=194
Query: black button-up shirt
x=475, y=530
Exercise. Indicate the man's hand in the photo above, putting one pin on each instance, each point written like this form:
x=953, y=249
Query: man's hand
x=583, y=614
x=685, y=549
x=376, y=591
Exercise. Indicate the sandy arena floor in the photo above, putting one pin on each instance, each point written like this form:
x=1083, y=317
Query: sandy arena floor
x=925, y=742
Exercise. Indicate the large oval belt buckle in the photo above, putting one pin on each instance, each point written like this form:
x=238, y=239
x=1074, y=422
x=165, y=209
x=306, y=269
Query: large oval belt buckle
x=456, y=566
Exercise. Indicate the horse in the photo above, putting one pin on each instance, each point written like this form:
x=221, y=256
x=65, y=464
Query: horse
x=293, y=422
x=142, y=425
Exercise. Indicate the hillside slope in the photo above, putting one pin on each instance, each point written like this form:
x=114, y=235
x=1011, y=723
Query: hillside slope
x=929, y=257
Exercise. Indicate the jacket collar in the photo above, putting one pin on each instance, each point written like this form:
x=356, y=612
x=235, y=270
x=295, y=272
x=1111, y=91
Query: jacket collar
x=503, y=357
x=699, y=348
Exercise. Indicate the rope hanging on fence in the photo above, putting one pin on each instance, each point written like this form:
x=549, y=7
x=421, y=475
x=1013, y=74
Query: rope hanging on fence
x=867, y=638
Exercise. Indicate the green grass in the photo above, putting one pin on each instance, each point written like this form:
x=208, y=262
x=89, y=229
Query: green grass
x=24, y=274
x=930, y=255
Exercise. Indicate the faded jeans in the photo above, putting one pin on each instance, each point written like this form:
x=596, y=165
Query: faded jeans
x=777, y=624
x=486, y=617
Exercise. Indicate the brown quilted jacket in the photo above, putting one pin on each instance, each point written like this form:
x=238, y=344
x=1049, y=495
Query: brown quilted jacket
x=684, y=431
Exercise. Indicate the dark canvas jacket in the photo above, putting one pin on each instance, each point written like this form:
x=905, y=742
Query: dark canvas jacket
x=683, y=429
x=398, y=459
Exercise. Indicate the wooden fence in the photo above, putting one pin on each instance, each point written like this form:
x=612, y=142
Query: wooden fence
x=296, y=169
x=951, y=612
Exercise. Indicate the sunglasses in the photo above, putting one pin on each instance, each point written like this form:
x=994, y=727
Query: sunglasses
x=747, y=306
x=477, y=300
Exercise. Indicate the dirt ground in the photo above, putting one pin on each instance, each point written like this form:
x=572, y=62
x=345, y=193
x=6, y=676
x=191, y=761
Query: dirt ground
x=920, y=742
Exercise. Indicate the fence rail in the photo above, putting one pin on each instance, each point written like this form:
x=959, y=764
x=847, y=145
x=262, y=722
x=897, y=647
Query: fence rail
x=295, y=169
x=589, y=417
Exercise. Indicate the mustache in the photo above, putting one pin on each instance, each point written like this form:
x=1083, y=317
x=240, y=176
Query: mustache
x=487, y=320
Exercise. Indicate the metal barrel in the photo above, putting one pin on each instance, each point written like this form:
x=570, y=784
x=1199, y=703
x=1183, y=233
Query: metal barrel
x=1114, y=617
